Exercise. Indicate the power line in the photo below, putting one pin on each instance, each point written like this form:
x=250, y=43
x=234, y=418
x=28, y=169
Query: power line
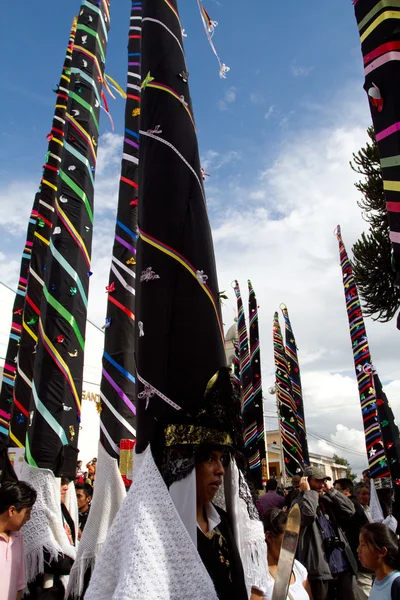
x=88, y=320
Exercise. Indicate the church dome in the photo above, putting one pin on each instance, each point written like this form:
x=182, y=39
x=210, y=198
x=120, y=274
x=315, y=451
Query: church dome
x=232, y=333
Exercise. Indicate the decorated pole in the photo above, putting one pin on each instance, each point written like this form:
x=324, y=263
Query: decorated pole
x=295, y=381
x=378, y=23
x=257, y=407
x=57, y=384
x=54, y=418
x=287, y=410
x=117, y=390
x=378, y=464
x=184, y=396
x=15, y=392
x=250, y=412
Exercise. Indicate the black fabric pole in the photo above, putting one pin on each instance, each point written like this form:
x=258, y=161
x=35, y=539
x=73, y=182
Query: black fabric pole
x=378, y=24
x=295, y=381
x=180, y=338
x=255, y=359
x=20, y=356
x=250, y=412
x=290, y=439
x=53, y=429
x=118, y=415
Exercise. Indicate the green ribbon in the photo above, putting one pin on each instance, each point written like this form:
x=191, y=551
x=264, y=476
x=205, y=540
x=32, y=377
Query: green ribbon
x=94, y=34
x=65, y=314
x=85, y=105
x=79, y=192
x=377, y=8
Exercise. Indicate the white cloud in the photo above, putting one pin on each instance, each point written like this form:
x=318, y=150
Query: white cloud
x=228, y=98
x=300, y=71
x=282, y=239
x=270, y=111
x=257, y=98
x=213, y=160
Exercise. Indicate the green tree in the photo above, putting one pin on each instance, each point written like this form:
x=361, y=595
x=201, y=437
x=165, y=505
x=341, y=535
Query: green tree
x=372, y=253
x=343, y=461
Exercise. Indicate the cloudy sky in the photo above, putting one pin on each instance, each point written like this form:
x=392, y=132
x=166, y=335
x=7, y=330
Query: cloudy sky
x=276, y=138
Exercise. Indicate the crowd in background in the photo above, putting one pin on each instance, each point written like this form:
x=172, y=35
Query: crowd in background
x=341, y=553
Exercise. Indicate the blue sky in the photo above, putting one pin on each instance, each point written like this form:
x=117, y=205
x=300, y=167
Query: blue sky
x=276, y=137
x=264, y=48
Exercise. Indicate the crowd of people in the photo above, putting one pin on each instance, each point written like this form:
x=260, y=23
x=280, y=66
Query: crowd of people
x=341, y=553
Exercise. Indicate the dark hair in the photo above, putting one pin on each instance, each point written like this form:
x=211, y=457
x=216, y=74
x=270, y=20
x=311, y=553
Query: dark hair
x=272, y=484
x=86, y=487
x=360, y=485
x=366, y=472
x=274, y=521
x=380, y=536
x=18, y=494
x=346, y=484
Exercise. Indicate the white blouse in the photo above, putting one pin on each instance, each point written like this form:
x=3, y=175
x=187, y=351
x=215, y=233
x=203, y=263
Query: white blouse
x=296, y=590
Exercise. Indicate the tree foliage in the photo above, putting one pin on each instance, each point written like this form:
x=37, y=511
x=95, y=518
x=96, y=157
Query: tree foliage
x=372, y=254
x=339, y=460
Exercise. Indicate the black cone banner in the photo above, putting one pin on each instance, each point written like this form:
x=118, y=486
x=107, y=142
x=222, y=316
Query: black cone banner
x=180, y=338
x=256, y=408
x=54, y=418
x=378, y=464
x=295, y=381
x=16, y=389
x=249, y=415
x=287, y=412
x=118, y=415
x=378, y=24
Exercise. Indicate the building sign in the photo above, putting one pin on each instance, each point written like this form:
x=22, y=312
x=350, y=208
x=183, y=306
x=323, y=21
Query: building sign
x=86, y=395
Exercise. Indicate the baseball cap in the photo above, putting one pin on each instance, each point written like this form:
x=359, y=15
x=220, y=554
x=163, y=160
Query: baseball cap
x=316, y=472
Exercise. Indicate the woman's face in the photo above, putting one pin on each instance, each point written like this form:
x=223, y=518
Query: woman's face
x=274, y=545
x=369, y=558
x=209, y=475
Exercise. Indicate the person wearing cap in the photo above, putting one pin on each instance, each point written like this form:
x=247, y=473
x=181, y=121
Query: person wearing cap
x=323, y=547
x=352, y=528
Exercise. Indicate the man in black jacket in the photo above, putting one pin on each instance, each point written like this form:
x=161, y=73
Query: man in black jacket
x=323, y=547
x=352, y=529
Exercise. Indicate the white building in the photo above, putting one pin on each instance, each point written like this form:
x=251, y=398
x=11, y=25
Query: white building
x=275, y=459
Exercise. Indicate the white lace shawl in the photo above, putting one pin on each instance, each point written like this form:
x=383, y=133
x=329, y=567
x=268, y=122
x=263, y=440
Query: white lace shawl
x=45, y=530
x=107, y=499
x=148, y=553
